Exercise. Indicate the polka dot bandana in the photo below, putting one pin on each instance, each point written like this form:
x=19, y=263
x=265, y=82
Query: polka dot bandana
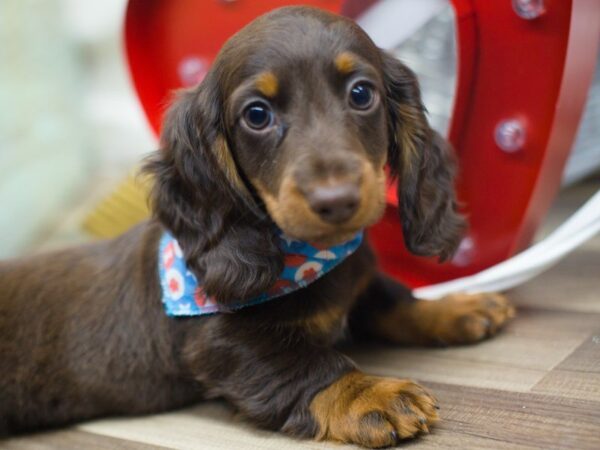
x=182, y=293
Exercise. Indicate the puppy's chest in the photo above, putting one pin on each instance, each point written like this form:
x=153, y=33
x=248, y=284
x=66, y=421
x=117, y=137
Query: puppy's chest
x=328, y=325
x=322, y=310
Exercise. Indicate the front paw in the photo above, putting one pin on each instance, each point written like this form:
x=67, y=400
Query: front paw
x=373, y=411
x=465, y=318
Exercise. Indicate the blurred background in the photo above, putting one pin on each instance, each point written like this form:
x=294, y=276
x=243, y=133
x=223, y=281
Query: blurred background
x=71, y=126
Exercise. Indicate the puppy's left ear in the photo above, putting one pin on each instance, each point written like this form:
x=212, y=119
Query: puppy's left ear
x=424, y=164
x=200, y=198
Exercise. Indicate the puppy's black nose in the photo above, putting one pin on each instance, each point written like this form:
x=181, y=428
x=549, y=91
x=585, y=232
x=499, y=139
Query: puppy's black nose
x=335, y=204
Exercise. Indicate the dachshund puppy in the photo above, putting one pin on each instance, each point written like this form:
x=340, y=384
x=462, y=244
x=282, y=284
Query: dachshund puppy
x=283, y=143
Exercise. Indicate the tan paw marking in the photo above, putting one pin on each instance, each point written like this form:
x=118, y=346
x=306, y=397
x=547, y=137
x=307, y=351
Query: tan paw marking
x=373, y=411
x=463, y=318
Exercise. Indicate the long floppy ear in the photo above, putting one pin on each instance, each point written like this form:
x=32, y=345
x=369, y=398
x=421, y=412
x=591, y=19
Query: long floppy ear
x=200, y=198
x=424, y=164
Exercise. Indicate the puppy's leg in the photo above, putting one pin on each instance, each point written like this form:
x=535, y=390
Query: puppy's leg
x=388, y=310
x=281, y=379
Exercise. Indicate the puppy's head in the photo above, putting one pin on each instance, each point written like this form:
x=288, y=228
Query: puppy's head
x=306, y=121
x=294, y=124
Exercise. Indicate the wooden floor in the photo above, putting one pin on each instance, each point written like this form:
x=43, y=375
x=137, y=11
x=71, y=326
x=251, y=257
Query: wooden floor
x=537, y=385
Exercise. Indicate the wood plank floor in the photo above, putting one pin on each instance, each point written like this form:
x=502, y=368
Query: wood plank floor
x=537, y=385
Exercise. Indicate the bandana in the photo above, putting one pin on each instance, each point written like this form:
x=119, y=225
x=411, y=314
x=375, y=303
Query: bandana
x=182, y=294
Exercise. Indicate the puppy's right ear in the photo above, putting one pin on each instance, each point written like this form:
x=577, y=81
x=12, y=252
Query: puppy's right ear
x=199, y=196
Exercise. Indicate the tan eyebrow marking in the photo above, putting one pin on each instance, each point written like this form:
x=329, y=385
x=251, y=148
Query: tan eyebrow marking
x=267, y=84
x=345, y=62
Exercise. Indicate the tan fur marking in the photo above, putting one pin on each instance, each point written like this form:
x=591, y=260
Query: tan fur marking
x=345, y=62
x=372, y=411
x=324, y=322
x=363, y=282
x=292, y=213
x=455, y=319
x=227, y=164
x=411, y=135
x=267, y=84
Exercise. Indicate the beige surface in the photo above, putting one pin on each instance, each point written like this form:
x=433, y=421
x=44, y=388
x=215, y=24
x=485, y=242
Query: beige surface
x=537, y=385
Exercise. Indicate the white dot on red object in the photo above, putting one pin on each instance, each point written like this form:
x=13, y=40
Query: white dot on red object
x=529, y=9
x=464, y=255
x=510, y=135
x=192, y=70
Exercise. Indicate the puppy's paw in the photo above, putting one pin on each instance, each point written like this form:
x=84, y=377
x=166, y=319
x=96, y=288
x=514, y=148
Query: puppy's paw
x=464, y=318
x=373, y=411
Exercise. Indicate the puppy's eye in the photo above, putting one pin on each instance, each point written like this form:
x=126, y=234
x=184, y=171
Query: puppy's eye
x=361, y=96
x=258, y=116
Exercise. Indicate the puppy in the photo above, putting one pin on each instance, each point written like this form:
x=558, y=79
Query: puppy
x=283, y=144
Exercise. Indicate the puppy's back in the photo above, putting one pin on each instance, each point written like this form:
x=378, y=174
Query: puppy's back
x=82, y=333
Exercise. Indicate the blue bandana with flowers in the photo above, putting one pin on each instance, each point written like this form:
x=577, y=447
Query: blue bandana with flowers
x=182, y=294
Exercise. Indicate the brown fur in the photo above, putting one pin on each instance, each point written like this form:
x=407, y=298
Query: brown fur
x=83, y=333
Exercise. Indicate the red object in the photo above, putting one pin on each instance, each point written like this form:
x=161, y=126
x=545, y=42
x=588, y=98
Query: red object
x=171, y=44
x=536, y=71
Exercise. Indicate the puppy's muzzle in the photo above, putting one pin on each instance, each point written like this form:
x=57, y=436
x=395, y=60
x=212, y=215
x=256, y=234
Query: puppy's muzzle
x=336, y=203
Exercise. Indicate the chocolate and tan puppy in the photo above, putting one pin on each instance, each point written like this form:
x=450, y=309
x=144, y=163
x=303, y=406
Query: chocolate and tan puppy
x=290, y=130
